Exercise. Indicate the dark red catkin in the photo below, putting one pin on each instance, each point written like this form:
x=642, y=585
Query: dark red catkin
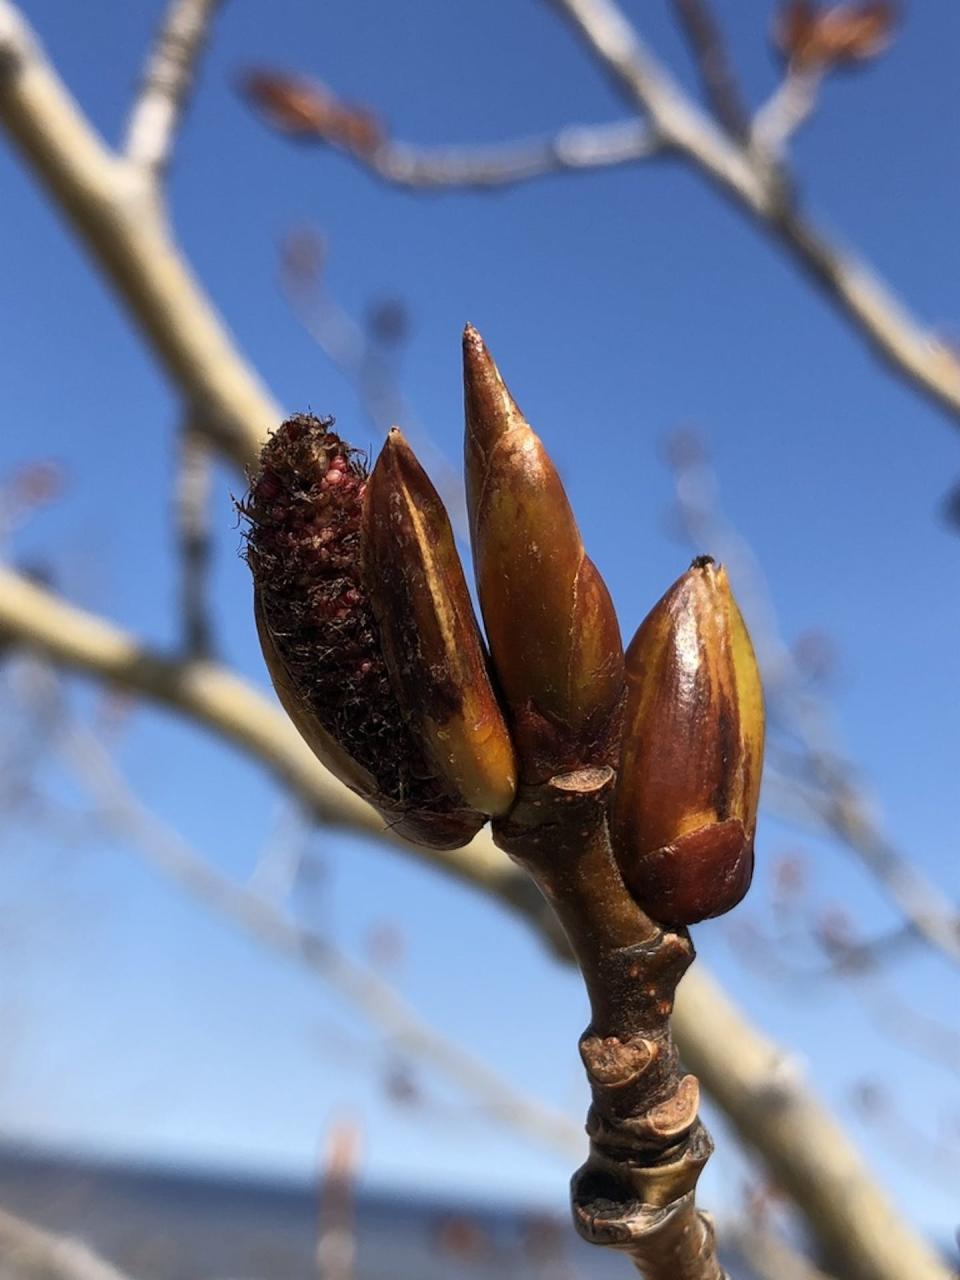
x=320, y=638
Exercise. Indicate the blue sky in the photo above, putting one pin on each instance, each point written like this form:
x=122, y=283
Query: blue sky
x=620, y=306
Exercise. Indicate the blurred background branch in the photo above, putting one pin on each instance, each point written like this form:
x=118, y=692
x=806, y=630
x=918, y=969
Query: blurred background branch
x=28, y=1252
x=167, y=81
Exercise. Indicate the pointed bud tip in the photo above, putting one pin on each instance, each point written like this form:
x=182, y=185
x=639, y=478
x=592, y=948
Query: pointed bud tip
x=472, y=338
x=478, y=364
x=397, y=464
x=491, y=410
x=396, y=445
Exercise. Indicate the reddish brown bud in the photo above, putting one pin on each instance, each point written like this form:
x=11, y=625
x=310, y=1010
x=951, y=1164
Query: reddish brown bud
x=813, y=36
x=320, y=638
x=306, y=108
x=685, y=807
x=430, y=638
x=550, y=623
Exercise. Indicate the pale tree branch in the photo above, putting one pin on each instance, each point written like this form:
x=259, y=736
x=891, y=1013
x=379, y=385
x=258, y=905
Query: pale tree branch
x=167, y=82
x=114, y=214
x=29, y=1252
x=680, y=123
x=352, y=349
x=851, y=285
x=768, y=1254
x=763, y=1092
x=788, y=108
x=167, y=852
x=212, y=696
x=699, y=24
x=577, y=148
x=749, y=1077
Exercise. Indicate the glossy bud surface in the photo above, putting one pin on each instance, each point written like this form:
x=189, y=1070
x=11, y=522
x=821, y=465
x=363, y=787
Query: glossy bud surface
x=684, y=811
x=431, y=642
x=550, y=623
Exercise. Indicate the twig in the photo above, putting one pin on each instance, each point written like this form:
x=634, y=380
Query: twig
x=700, y=26
x=113, y=212
x=212, y=696
x=170, y=854
x=855, y=962
x=33, y=1253
x=637, y=1190
x=930, y=913
x=167, y=81
x=788, y=108
x=680, y=123
x=769, y=1256
x=336, y=1230
x=763, y=1091
x=735, y=1063
x=576, y=148
x=356, y=355
x=853, y=287
x=278, y=866
x=195, y=544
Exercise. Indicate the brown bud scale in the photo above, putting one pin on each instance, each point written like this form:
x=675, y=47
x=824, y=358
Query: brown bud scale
x=304, y=548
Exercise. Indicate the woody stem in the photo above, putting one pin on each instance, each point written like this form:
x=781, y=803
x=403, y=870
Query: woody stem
x=636, y=1191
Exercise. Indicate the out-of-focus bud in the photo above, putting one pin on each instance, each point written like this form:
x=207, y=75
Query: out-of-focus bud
x=550, y=623
x=819, y=37
x=305, y=108
x=320, y=638
x=685, y=807
x=430, y=638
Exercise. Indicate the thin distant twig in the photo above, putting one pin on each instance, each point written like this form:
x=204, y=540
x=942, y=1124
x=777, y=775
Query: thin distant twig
x=576, y=148
x=352, y=348
x=336, y=1226
x=167, y=851
x=702, y=30
x=912, y=351
x=29, y=1252
x=788, y=108
x=194, y=540
x=115, y=213
x=167, y=82
x=821, y=777
x=214, y=697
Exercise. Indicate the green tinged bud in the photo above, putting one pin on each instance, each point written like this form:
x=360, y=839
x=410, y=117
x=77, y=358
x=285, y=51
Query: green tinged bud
x=550, y=623
x=685, y=807
x=431, y=642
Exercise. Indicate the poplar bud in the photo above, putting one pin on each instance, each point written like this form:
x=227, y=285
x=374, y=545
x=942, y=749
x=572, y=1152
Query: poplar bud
x=550, y=623
x=685, y=807
x=431, y=642
x=320, y=637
